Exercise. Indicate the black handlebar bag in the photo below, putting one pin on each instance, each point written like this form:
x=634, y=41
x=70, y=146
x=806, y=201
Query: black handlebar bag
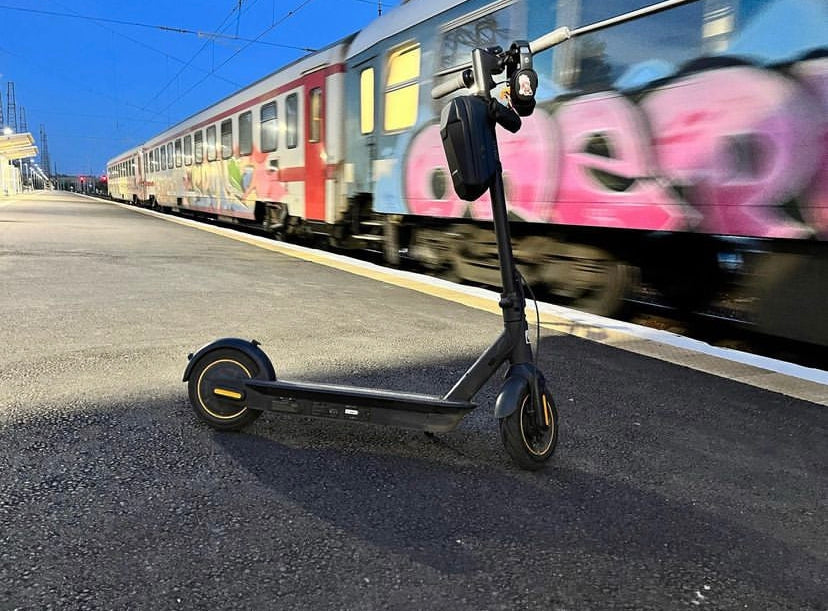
x=469, y=142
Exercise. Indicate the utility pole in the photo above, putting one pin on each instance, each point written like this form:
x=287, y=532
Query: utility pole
x=11, y=106
x=44, y=150
x=24, y=127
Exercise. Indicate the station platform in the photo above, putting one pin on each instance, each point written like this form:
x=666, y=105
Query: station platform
x=684, y=475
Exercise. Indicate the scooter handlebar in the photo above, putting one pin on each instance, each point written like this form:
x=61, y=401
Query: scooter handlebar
x=458, y=81
x=455, y=83
x=550, y=40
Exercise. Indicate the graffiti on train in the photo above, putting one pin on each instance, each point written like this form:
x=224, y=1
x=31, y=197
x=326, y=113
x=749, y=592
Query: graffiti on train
x=731, y=149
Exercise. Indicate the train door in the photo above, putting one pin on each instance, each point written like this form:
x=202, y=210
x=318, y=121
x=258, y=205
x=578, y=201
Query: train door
x=315, y=157
x=137, y=173
x=365, y=138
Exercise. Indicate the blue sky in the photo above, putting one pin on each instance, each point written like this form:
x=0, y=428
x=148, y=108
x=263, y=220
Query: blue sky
x=100, y=87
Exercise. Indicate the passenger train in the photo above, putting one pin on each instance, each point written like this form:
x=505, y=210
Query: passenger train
x=686, y=152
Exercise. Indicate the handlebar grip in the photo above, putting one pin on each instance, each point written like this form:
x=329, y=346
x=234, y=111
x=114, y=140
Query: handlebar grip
x=453, y=84
x=550, y=40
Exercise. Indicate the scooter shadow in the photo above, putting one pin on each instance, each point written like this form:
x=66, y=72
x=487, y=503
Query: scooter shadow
x=453, y=518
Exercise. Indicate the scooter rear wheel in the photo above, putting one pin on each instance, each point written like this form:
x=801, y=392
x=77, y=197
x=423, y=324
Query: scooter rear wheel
x=215, y=389
x=529, y=443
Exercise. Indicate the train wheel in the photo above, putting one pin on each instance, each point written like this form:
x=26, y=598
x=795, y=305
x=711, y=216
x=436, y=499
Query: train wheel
x=216, y=389
x=530, y=440
x=603, y=286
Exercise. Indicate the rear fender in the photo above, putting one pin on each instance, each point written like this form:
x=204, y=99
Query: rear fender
x=250, y=348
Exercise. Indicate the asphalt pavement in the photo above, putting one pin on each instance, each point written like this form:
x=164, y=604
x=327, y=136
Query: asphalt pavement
x=670, y=488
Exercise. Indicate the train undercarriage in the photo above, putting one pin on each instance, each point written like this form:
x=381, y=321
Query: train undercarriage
x=775, y=288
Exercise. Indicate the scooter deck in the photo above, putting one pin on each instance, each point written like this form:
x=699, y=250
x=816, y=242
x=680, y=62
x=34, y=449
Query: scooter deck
x=387, y=407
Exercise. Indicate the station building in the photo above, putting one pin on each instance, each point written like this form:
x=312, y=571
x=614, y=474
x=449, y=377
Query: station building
x=14, y=147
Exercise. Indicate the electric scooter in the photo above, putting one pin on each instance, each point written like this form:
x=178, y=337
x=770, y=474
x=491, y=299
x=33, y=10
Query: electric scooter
x=232, y=381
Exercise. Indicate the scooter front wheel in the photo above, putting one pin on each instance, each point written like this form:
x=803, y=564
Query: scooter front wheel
x=530, y=432
x=216, y=389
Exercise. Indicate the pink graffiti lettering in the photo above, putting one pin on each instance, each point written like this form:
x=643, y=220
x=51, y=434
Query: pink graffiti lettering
x=814, y=75
x=608, y=177
x=746, y=147
x=741, y=140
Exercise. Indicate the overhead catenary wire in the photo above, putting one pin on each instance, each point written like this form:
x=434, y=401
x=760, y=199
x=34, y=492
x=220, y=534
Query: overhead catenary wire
x=187, y=65
x=287, y=16
x=150, y=47
x=164, y=28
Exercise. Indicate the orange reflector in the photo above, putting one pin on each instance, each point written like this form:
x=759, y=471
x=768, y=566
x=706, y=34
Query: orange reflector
x=545, y=410
x=230, y=394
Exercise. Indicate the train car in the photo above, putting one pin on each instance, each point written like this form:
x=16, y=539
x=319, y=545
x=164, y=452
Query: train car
x=683, y=155
x=268, y=155
x=673, y=150
x=124, y=176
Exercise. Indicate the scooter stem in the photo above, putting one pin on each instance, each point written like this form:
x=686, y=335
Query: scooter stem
x=512, y=293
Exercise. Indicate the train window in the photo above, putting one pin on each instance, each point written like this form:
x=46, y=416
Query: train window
x=151, y=166
x=246, y=133
x=269, y=132
x=227, y=139
x=163, y=150
x=188, y=150
x=146, y=163
x=402, y=88
x=292, y=119
x=719, y=23
x=211, y=143
x=198, y=146
x=178, y=156
x=606, y=59
x=170, y=159
x=503, y=23
x=158, y=158
x=366, y=100
x=315, y=131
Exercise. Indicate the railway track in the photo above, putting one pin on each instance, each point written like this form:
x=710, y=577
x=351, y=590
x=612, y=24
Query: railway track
x=724, y=331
